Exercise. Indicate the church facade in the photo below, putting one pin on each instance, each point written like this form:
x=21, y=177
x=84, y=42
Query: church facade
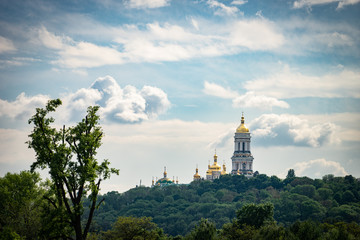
x=242, y=159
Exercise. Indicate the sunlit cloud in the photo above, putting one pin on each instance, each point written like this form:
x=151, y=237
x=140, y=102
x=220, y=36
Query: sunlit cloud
x=291, y=130
x=252, y=100
x=126, y=105
x=163, y=42
x=22, y=107
x=292, y=84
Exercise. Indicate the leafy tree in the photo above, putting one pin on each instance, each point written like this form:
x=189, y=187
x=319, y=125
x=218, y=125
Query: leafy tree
x=131, y=228
x=69, y=154
x=234, y=231
x=20, y=205
x=291, y=174
x=204, y=230
x=256, y=215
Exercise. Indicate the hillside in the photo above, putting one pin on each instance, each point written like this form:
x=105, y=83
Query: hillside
x=178, y=208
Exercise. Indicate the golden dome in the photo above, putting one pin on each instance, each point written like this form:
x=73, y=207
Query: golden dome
x=196, y=175
x=215, y=167
x=242, y=128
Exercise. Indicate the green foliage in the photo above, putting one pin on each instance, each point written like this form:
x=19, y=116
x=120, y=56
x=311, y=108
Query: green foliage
x=131, y=228
x=178, y=208
x=256, y=215
x=69, y=154
x=291, y=174
x=20, y=205
x=204, y=230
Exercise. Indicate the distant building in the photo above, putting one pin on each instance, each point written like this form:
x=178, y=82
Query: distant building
x=242, y=159
x=196, y=175
x=165, y=181
x=214, y=171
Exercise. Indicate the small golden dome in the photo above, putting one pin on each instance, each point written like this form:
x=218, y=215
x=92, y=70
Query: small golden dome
x=196, y=175
x=242, y=128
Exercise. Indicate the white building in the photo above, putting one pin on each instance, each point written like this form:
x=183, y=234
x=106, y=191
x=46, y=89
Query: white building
x=242, y=160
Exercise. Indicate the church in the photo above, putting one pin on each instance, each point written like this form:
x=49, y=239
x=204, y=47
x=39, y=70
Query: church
x=242, y=159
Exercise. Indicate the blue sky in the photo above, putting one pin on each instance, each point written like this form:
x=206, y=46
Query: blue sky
x=172, y=78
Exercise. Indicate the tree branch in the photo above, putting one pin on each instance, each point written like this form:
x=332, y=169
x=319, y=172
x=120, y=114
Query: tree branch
x=91, y=210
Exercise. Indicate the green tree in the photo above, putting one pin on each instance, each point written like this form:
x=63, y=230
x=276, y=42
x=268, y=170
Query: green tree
x=291, y=174
x=131, y=228
x=256, y=215
x=20, y=205
x=234, y=231
x=204, y=230
x=69, y=154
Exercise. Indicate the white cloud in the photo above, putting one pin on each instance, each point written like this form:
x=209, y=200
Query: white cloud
x=259, y=34
x=287, y=130
x=6, y=45
x=148, y=3
x=87, y=55
x=164, y=42
x=248, y=100
x=50, y=40
x=128, y=104
x=219, y=91
x=78, y=54
x=251, y=100
x=288, y=84
x=238, y=2
x=23, y=107
x=309, y=3
x=319, y=168
x=222, y=9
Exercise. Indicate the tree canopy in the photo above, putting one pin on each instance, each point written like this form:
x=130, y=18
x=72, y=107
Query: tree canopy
x=69, y=155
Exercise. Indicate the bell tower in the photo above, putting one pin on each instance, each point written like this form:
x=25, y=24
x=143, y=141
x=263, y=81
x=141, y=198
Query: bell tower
x=242, y=159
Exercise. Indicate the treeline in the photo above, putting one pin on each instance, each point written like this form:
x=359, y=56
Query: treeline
x=228, y=208
x=178, y=208
x=253, y=221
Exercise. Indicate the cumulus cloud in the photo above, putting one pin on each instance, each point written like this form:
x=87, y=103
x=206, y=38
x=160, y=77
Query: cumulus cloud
x=309, y=3
x=127, y=105
x=319, y=168
x=289, y=84
x=286, y=130
x=148, y=3
x=22, y=107
x=248, y=100
x=6, y=45
x=164, y=42
x=251, y=100
x=222, y=9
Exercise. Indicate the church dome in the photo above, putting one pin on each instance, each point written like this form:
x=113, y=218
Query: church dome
x=197, y=175
x=242, y=128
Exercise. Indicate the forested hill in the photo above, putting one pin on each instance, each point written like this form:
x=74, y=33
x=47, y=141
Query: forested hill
x=178, y=208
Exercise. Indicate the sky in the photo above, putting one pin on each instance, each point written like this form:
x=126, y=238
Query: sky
x=173, y=77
